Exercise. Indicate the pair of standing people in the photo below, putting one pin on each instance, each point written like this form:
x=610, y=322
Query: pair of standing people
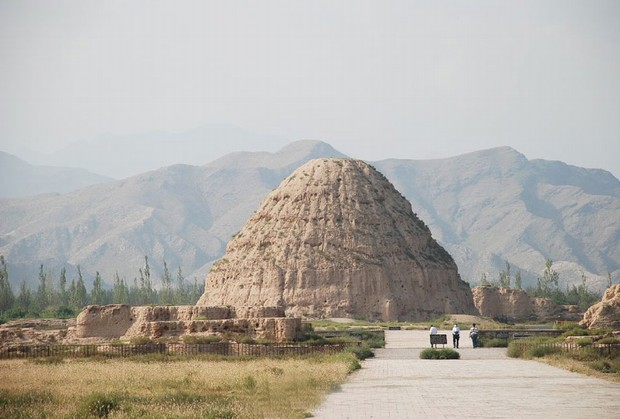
x=456, y=335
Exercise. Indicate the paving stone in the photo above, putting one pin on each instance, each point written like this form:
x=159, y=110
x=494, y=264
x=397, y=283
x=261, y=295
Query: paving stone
x=484, y=383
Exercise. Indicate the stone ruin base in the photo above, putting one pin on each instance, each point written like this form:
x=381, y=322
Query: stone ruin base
x=120, y=321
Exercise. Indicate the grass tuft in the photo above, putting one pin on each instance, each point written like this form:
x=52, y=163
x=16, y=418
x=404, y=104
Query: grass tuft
x=99, y=405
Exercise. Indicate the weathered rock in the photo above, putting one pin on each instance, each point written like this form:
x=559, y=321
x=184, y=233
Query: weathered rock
x=118, y=321
x=605, y=314
x=503, y=303
x=35, y=332
x=513, y=304
x=335, y=239
x=546, y=309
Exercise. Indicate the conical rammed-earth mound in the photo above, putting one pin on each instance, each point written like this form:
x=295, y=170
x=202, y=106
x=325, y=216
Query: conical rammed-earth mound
x=336, y=239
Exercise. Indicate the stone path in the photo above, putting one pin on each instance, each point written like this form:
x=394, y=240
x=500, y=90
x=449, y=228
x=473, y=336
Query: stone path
x=484, y=383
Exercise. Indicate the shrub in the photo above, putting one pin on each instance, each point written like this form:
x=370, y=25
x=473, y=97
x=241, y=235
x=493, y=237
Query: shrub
x=50, y=360
x=605, y=366
x=140, y=340
x=493, y=343
x=583, y=342
x=609, y=340
x=515, y=350
x=540, y=351
x=191, y=339
x=246, y=339
x=249, y=383
x=98, y=404
x=342, y=340
x=361, y=352
x=576, y=331
x=566, y=325
x=313, y=339
x=446, y=353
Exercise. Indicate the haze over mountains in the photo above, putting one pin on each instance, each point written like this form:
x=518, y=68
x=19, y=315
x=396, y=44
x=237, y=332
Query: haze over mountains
x=121, y=156
x=483, y=207
x=20, y=179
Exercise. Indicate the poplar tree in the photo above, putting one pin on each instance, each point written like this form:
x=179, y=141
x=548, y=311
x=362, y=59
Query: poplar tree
x=24, y=299
x=62, y=287
x=97, y=295
x=81, y=296
x=195, y=292
x=483, y=280
x=146, y=287
x=518, y=280
x=42, y=298
x=165, y=295
x=549, y=281
x=181, y=291
x=504, y=276
x=72, y=294
x=7, y=298
x=120, y=293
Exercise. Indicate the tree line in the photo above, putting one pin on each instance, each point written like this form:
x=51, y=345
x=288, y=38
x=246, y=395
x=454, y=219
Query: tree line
x=548, y=285
x=62, y=298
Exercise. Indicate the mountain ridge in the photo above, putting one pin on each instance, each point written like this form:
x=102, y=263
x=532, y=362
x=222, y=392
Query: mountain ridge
x=484, y=207
x=19, y=178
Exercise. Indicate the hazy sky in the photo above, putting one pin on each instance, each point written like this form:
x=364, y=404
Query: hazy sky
x=375, y=79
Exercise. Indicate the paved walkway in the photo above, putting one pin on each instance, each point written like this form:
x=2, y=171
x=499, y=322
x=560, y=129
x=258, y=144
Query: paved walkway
x=484, y=383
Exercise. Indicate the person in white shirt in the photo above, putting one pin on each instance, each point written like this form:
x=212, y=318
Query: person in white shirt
x=456, y=335
x=473, y=334
x=433, y=331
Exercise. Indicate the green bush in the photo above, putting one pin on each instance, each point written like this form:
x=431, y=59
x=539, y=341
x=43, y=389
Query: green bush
x=576, y=331
x=191, y=339
x=346, y=340
x=583, y=342
x=99, y=405
x=493, y=343
x=245, y=339
x=515, y=350
x=49, y=360
x=313, y=339
x=540, y=351
x=606, y=366
x=609, y=340
x=447, y=353
x=249, y=383
x=361, y=352
x=566, y=325
x=140, y=340
x=582, y=331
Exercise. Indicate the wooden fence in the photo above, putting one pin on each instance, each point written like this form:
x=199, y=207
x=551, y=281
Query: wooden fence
x=602, y=348
x=123, y=350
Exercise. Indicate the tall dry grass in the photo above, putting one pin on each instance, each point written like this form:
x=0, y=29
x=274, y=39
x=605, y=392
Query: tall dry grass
x=251, y=388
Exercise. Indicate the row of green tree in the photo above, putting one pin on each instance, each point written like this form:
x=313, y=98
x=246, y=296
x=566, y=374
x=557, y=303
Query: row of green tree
x=548, y=285
x=62, y=298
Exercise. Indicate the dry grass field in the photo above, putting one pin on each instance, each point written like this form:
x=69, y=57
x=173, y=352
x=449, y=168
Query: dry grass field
x=157, y=387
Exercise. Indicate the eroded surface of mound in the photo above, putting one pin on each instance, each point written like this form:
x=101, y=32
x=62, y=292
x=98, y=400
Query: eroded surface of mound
x=336, y=239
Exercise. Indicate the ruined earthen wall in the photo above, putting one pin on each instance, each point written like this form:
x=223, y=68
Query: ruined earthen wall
x=117, y=321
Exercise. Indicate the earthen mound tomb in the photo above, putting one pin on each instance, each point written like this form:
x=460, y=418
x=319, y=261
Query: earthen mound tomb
x=336, y=239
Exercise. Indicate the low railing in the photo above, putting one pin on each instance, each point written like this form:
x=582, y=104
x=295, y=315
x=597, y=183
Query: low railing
x=602, y=348
x=123, y=350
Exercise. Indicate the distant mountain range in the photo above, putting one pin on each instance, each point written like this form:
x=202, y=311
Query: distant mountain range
x=20, y=179
x=485, y=208
x=122, y=156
